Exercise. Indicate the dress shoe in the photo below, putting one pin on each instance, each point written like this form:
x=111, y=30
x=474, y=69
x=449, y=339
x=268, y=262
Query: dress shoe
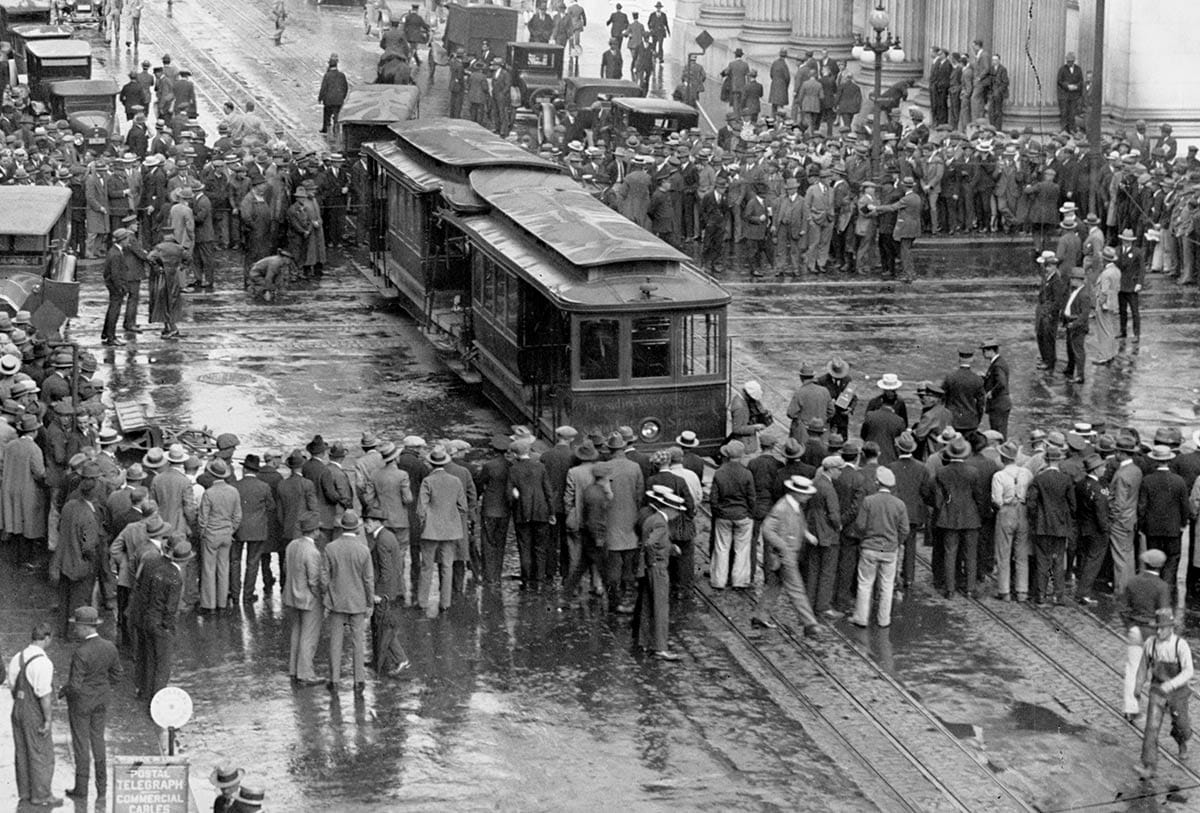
x=316, y=681
x=664, y=655
x=52, y=801
x=331, y=686
x=360, y=689
x=1078, y=379
x=77, y=793
x=624, y=609
x=763, y=623
x=134, y=330
x=400, y=669
x=1087, y=600
x=815, y=631
x=833, y=615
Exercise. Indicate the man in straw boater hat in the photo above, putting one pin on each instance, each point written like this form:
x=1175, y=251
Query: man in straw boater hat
x=785, y=532
x=95, y=671
x=1167, y=661
x=653, y=600
x=228, y=780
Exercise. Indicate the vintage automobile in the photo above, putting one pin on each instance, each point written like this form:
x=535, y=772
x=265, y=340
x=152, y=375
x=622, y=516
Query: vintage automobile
x=537, y=70
x=49, y=61
x=36, y=274
x=28, y=11
x=653, y=116
x=31, y=32
x=469, y=25
x=582, y=92
x=88, y=105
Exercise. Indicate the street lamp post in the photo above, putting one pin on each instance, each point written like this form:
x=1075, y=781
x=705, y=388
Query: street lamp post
x=879, y=46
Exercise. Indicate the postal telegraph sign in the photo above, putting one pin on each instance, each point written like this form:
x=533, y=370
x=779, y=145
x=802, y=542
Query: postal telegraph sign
x=150, y=785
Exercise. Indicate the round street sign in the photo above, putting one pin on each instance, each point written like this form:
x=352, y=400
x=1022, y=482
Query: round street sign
x=171, y=707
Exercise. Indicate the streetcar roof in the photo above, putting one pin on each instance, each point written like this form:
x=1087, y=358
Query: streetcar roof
x=666, y=286
x=569, y=221
x=31, y=210
x=422, y=179
x=465, y=144
x=379, y=104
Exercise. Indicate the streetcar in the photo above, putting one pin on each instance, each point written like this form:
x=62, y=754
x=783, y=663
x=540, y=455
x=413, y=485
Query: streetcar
x=563, y=310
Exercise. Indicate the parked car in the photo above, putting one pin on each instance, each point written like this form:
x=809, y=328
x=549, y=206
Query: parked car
x=89, y=105
x=537, y=70
x=653, y=116
x=469, y=25
x=48, y=61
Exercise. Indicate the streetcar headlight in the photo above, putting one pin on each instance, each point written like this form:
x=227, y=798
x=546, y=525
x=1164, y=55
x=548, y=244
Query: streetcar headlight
x=650, y=430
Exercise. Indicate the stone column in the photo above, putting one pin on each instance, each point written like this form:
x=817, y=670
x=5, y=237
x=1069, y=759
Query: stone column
x=954, y=24
x=766, y=27
x=1026, y=105
x=724, y=14
x=821, y=24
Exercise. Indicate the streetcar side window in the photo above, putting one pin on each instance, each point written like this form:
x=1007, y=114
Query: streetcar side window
x=514, y=303
x=701, y=337
x=650, y=343
x=599, y=349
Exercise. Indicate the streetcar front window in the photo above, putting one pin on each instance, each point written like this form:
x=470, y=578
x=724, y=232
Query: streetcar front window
x=599, y=349
x=650, y=342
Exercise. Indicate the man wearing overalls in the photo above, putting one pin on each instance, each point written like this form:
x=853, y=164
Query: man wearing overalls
x=31, y=678
x=1168, y=661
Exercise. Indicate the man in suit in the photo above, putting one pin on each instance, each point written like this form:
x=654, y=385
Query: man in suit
x=617, y=22
x=997, y=402
x=1075, y=317
x=736, y=73
x=627, y=489
x=501, y=97
x=1050, y=502
x=653, y=601
x=491, y=483
x=76, y=560
x=1052, y=297
x=1070, y=93
x=964, y=392
x=997, y=92
x=939, y=86
x=530, y=493
x=217, y=521
x=540, y=26
x=959, y=494
x=756, y=222
x=1091, y=506
x=388, y=559
x=981, y=62
x=786, y=535
x=258, y=506
x=302, y=596
x=819, y=207
x=293, y=497
x=95, y=191
x=442, y=509
x=1131, y=262
x=611, y=61
x=790, y=230
x=1163, y=510
x=348, y=595
x=118, y=295
x=161, y=584
x=335, y=493
x=95, y=671
x=659, y=28
x=713, y=215
x=908, y=224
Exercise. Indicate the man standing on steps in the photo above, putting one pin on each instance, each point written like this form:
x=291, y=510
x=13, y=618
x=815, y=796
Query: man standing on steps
x=332, y=95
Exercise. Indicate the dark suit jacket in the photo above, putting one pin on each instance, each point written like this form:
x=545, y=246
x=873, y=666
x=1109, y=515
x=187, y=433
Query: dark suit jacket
x=294, y=495
x=532, y=483
x=1163, y=504
x=386, y=559
x=95, y=669
x=79, y=540
x=492, y=485
x=1091, y=508
x=964, y=397
x=1050, y=503
x=258, y=506
x=939, y=76
x=558, y=462
x=162, y=590
x=958, y=496
x=995, y=385
x=1077, y=317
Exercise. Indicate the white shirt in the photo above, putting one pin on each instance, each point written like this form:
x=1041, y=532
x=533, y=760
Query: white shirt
x=693, y=482
x=40, y=672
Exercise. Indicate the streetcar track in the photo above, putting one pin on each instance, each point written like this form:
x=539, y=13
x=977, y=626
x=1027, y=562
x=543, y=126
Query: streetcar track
x=1071, y=677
